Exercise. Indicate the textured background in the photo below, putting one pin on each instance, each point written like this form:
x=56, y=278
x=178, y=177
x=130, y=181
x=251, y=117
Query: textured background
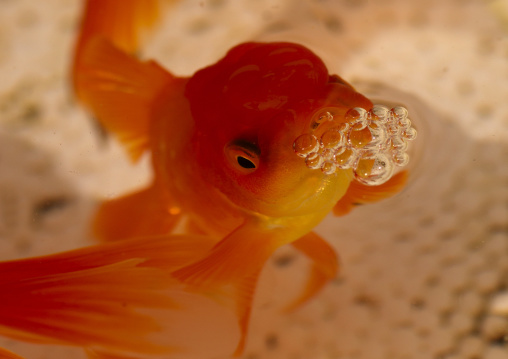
x=425, y=274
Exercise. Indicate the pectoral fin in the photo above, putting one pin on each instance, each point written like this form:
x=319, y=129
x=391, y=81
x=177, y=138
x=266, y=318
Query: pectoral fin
x=358, y=193
x=325, y=266
x=145, y=213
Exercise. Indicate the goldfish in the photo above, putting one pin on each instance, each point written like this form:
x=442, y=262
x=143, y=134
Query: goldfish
x=248, y=154
x=222, y=146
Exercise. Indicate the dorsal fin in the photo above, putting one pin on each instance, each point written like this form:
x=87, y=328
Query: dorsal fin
x=120, y=91
x=122, y=24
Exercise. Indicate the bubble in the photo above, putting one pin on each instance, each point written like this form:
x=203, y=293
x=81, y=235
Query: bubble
x=357, y=117
x=392, y=129
x=399, y=144
x=359, y=138
x=343, y=127
x=332, y=138
x=379, y=113
x=410, y=134
x=374, y=171
x=399, y=112
x=346, y=159
x=328, y=154
x=328, y=168
x=400, y=158
x=404, y=123
x=327, y=116
x=305, y=144
x=314, y=161
x=322, y=117
x=378, y=135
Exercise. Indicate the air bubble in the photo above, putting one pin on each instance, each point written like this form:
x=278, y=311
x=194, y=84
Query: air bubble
x=392, y=129
x=379, y=114
x=328, y=168
x=332, y=139
x=399, y=112
x=346, y=159
x=357, y=117
x=399, y=144
x=410, y=134
x=328, y=154
x=359, y=138
x=306, y=144
x=400, y=158
x=313, y=161
x=323, y=117
x=327, y=116
x=374, y=171
x=404, y=123
x=378, y=135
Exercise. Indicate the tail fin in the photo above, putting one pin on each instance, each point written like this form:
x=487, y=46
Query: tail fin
x=102, y=297
x=5, y=354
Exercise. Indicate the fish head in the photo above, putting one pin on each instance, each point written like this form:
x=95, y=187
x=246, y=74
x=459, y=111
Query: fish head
x=251, y=110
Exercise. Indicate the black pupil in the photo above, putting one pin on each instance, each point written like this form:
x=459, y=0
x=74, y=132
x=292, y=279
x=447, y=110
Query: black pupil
x=245, y=163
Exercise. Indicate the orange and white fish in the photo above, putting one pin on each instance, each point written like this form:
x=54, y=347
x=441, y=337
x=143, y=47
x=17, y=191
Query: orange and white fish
x=252, y=152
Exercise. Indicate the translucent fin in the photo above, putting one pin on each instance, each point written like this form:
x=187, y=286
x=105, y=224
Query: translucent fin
x=141, y=214
x=6, y=354
x=245, y=292
x=123, y=25
x=237, y=256
x=120, y=91
x=325, y=266
x=96, y=355
x=358, y=193
x=98, y=297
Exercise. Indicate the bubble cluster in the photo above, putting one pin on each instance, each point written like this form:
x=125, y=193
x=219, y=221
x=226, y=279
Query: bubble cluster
x=371, y=143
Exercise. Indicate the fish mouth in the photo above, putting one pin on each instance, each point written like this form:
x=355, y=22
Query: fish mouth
x=370, y=142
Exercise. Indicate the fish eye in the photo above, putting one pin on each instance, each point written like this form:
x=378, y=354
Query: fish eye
x=245, y=162
x=243, y=156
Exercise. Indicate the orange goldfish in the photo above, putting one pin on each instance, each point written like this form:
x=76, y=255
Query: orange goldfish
x=249, y=154
x=236, y=150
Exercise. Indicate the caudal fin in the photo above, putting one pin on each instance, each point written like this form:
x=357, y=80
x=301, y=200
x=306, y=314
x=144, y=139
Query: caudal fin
x=6, y=354
x=106, y=298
